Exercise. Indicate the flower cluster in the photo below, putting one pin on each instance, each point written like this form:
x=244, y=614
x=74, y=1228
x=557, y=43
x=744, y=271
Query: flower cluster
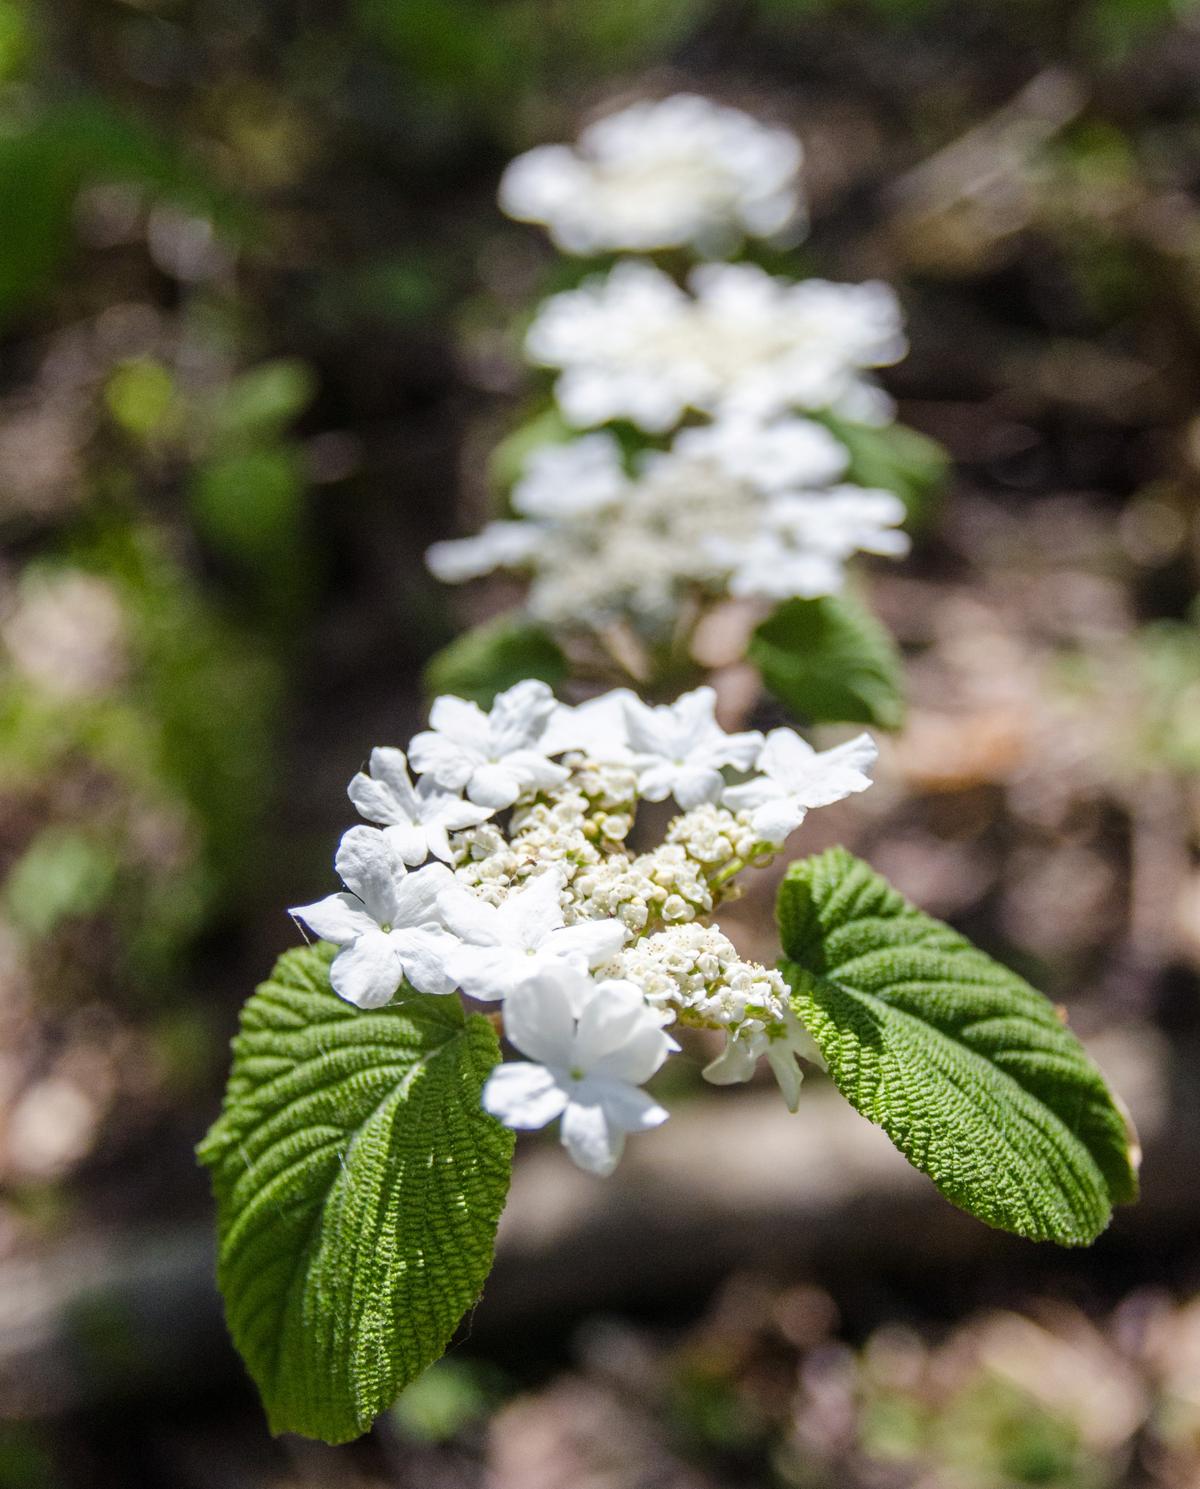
x=633, y=345
x=735, y=488
x=506, y=871
x=680, y=172
x=732, y=508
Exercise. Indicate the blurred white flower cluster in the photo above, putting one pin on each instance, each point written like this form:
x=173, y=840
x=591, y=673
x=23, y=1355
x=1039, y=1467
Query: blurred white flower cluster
x=505, y=871
x=734, y=487
x=683, y=172
x=751, y=511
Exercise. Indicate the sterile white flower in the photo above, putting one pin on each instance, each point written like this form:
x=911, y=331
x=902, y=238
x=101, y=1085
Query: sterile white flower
x=679, y=748
x=797, y=778
x=590, y=1047
x=387, y=924
x=595, y=727
x=633, y=345
x=496, y=756
x=500, y=545
x=782, y=1045
x=580, y=478
x=783, y=455
x=505, y=945
x=660, y=174
x=417, y=819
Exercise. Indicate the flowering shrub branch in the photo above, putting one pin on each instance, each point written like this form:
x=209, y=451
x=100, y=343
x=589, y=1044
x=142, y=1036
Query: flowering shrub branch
x=506, y=862
x=365, y=1132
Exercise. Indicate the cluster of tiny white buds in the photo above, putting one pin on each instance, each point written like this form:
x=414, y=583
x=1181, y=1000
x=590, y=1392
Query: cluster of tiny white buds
x=501, y=871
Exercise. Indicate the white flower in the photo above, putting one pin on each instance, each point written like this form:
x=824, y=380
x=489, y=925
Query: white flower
x=500, y=545
x=781, y=1044
x=596, y=727
x=387, y=926
x=416, y=820
x=590, y=1045
x=496, y=756
x=505, y=945
x=796, y=778
x=660, y=175
x=577, y=479
x=679, y=748
x=783, y=455
x=633, y=345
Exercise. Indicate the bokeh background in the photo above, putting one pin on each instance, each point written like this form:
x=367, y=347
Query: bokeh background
x=258, y=314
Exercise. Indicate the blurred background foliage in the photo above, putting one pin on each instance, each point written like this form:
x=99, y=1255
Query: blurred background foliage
x=259, y=318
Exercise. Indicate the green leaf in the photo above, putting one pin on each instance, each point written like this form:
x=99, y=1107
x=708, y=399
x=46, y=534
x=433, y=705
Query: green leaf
x=896, y=458
x=486, y=660
x=358, y=1184
x=830, y=661
x=968, y=1070
x=261, y=403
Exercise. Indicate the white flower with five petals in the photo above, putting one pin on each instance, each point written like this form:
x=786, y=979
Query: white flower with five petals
x=679, y=748
x=590, y=1046
x=496, y=757
x=503, y=946
x=386, y=925
x=416, y=820
x=796, y=777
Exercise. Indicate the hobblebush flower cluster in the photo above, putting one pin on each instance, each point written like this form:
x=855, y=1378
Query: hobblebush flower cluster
x=507, y=879
x=700, y=418
x=552, y=875
x=506, y=871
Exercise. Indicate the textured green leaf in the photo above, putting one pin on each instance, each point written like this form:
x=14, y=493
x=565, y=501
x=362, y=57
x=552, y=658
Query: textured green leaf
x=968, y=1070
x=484, y=661
x=830, y=661
x=358, y=1184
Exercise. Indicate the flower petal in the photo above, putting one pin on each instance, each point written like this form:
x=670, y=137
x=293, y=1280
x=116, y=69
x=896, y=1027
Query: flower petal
x=425, y=954
x=627, y=1108
x=538, y=1017
x=608, y=1021
x=494, y=786
x=534, y=911
x=375, y=800
x=696, y=784
x=736, y=1063
x=782, y=1060
x=417, y=895
x=338, y=917
x=775, y=821
x=469, y=916
x=523, y=1095
x=367, y=972
x=590, y=1140
x=410, y=841
x=519, y=715
x=368, y=864
x=488, y=973
x=596, y=941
